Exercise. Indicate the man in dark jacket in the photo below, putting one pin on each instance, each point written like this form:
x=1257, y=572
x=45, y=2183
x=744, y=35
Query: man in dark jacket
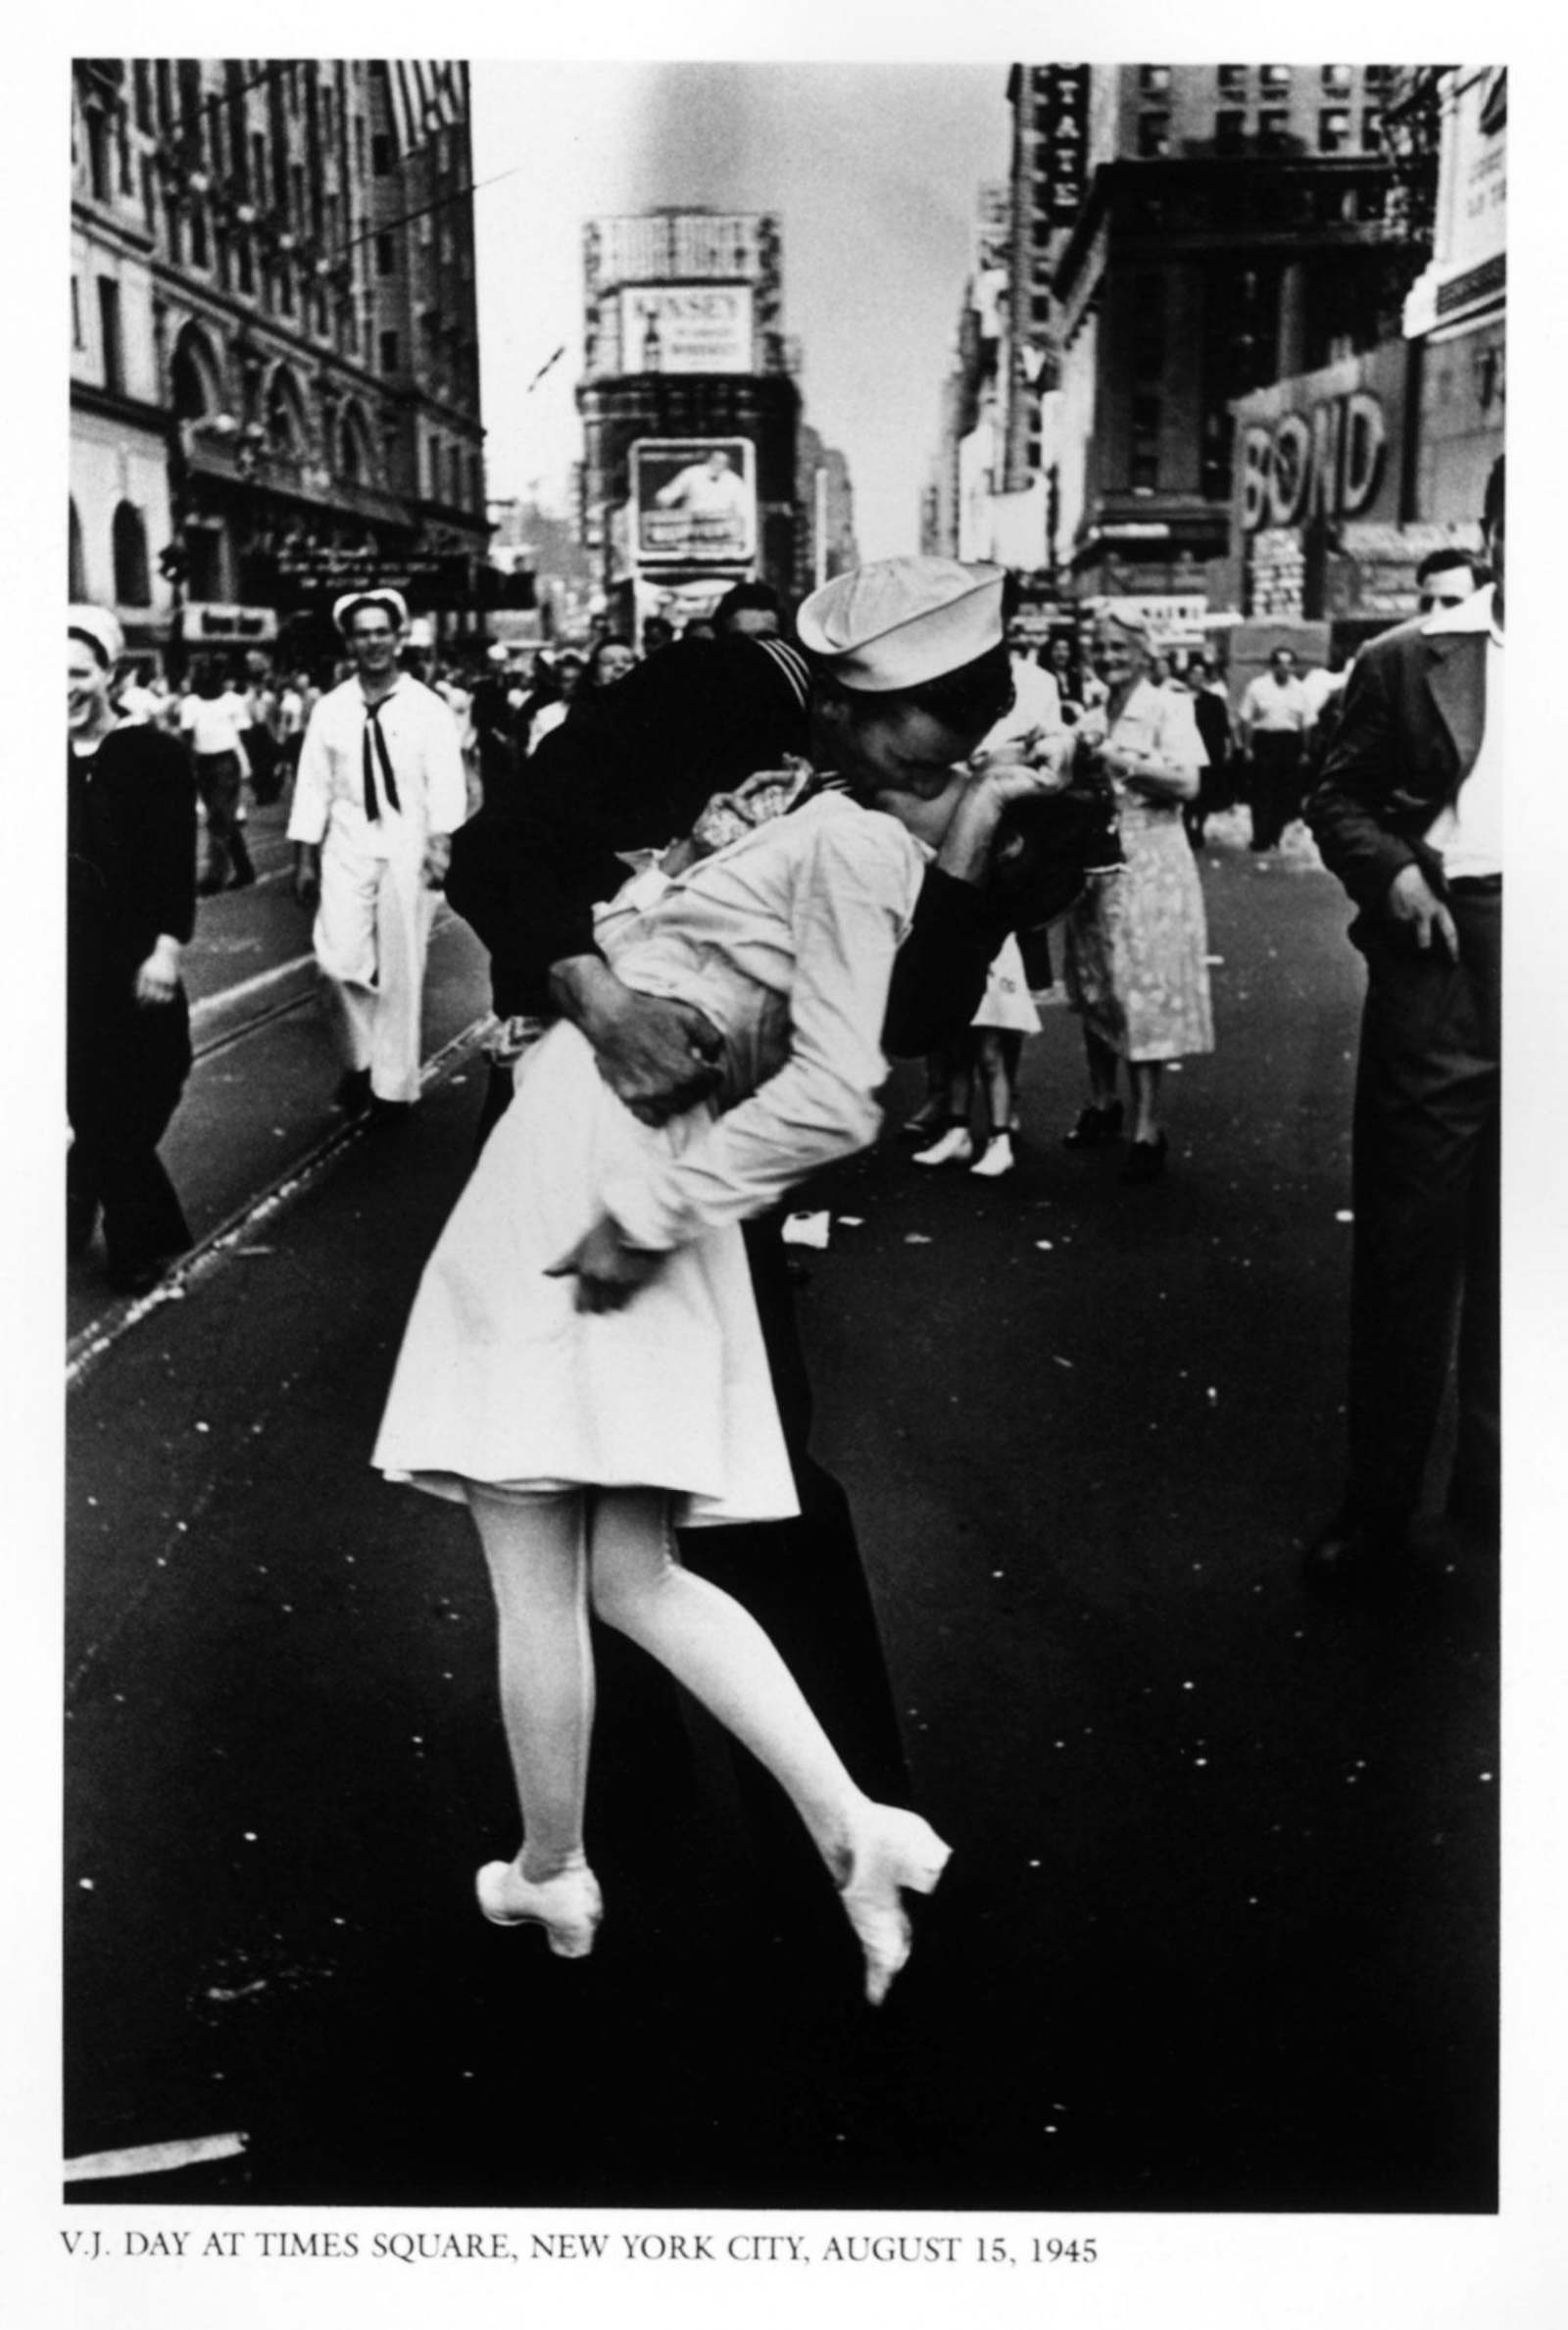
x=131, y=909
x=1408, y=816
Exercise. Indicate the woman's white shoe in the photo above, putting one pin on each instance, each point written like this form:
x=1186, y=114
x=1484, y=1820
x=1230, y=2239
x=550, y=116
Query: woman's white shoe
x=995, y=1159
x=568, y=1907
x=955, y=1147
x=890, y=1853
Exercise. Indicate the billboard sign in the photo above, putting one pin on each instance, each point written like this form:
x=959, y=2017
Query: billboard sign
x=694, y=501
x=687, y=327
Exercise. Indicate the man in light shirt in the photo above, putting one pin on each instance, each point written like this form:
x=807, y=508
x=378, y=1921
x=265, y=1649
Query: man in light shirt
x=1274, y=718
x=1409, y=816
x=380, y=792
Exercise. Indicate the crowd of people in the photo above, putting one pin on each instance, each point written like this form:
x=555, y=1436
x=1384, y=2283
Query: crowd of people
x=721, y=881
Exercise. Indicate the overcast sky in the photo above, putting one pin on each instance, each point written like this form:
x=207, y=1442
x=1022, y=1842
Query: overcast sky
x=875, y=171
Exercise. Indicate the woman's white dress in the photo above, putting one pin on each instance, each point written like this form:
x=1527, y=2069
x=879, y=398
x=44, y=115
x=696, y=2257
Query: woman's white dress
x=784, y=940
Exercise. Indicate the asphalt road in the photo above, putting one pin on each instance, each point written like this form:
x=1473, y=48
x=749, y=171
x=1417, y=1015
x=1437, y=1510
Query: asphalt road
x=1220, y=1928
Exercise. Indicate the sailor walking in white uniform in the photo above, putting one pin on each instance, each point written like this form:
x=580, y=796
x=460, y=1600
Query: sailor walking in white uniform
x=380, y=792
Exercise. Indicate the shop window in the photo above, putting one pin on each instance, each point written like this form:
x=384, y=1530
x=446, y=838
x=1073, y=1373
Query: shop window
x=1230, y=132
x=1274, y=130
x=1338, y=79
x=1154, y=81
x=132, y=575
x=1153, y=137
x=1334, y=132
x=114, y=350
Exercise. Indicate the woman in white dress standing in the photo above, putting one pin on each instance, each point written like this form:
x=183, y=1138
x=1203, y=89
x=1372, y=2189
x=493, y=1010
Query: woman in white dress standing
x=1136, y=940
x=583, y=1366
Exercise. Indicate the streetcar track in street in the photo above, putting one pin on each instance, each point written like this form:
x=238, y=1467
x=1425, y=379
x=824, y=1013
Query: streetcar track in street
x=92, y=1343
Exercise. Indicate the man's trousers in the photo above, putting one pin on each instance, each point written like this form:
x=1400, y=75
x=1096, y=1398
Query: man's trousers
x=371, y=937
x=1425, y=1284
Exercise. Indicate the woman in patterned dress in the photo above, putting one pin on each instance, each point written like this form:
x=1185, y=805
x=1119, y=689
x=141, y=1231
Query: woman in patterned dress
x=1136, y=940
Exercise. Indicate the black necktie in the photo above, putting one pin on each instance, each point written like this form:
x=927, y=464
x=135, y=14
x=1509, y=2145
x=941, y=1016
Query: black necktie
x=372, y=727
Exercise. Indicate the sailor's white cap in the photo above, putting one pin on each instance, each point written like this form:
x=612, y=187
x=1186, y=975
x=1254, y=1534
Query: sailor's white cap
x=900, y=622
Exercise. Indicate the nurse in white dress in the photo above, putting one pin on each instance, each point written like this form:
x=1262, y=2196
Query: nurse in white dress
x=583, y=1366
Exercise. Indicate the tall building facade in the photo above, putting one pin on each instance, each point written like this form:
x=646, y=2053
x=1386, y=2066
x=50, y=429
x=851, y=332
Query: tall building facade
x=1182, y=234
x=690, y=410
x=274, y=359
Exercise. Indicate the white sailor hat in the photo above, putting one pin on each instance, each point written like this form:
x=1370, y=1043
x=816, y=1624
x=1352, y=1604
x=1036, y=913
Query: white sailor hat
x=900, y=622
x=393, y=600
x=100, y=629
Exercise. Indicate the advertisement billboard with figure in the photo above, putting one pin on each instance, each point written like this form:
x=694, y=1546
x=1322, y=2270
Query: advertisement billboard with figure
x=694, y=500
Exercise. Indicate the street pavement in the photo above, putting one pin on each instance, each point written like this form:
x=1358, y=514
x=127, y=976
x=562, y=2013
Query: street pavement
x=1220, y=1927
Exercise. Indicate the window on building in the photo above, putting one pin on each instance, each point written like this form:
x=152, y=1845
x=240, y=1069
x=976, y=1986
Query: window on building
x=1274, y=128
x=380, y=154
x=258, y=185
x=389, y=352
x=1230, y=132
x=141, y=77
x=113, y=349
x=1233, y=79
x=1276, y=78
x=75, y=560
x=203, y=545
x=1338, y=79
x=245, y=264
x=134, y=585
x=1372, y=130
x=386, y=254
x=163, y=87
x=76, y=338
x=1149, y=327
x=285, y=289
x=98, y=155
x=1377, y=77
x=1334, y=132
x=1154, y=81
x=1153, y=137
x=127, y=174
x=199, y=253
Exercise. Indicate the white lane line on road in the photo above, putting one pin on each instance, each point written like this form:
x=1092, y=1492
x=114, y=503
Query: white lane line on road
x=210, y=1004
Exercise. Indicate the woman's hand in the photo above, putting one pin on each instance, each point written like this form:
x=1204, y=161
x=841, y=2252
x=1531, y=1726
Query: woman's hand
x=607, y=1271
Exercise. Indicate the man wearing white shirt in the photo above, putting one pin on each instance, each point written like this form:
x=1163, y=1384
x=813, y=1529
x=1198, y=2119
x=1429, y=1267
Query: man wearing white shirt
x=1409, y=816
x=380, y=792
x=1274, y=718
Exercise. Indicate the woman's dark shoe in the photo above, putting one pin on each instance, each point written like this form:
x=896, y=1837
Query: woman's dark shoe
x=1145, y=1161
x=1094, y=1128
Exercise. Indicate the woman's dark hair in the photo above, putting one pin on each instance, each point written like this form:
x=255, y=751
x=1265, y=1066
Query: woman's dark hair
x=100, y=654
x=975, y=696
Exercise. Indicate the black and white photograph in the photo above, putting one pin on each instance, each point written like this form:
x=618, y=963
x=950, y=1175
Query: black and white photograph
x=781, y=1148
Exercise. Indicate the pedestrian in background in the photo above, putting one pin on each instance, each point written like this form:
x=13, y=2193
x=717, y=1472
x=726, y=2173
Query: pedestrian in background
x=381, y=790
x=1136, y=940
x=1273, y=721
x=130, y=831
x=611, y=659
x=1409, y=816
x=213, y=719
